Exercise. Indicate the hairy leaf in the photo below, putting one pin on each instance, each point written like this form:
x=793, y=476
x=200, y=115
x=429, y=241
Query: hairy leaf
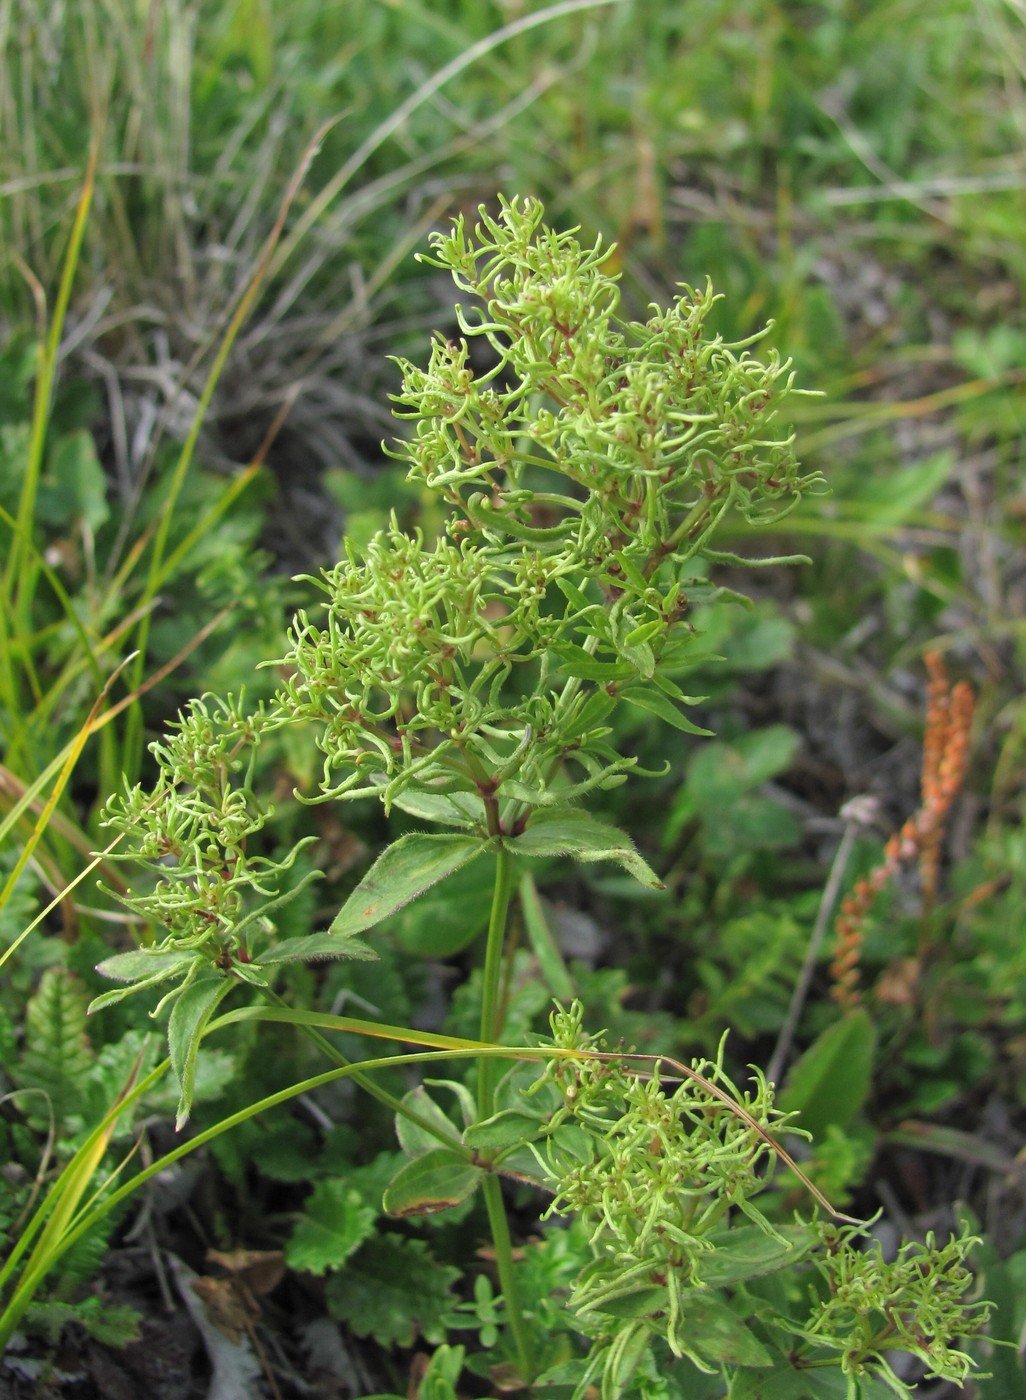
x=567, y=831
x=404, y=870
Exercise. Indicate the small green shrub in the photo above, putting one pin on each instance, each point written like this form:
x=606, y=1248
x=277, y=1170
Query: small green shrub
x=470, y=682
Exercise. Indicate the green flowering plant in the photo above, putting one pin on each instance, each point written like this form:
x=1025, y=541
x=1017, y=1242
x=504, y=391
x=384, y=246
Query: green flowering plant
x=470, y=681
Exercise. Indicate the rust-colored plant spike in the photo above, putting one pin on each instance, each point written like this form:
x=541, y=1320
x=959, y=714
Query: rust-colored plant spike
x=949, y=714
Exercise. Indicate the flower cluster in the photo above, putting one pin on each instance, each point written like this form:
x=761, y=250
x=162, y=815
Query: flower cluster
x=915, y=1303
x=587, y=467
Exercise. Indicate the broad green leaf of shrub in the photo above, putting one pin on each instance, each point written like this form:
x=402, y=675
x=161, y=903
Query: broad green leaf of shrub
x=747, y=641
x=719, y=791
x=829, y=1084
x=433, y=1182
x=715, y=1333
x=393, y=1290
x=336, y=1220
x=562, y=831
x=448, y=918
x=414, y=1139
x=822, y=1383
x=404, y=870
x=748, y=1252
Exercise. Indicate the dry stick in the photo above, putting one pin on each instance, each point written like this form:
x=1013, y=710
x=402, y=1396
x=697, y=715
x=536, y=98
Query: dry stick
x=854, y=819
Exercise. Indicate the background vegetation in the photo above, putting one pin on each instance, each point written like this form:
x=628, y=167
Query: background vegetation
x=207, y=218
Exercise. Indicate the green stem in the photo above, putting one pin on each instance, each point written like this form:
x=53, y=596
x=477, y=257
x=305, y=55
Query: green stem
x=490, y=1017
x=508, y=1286
x=490, y=1030
x=366, y=1082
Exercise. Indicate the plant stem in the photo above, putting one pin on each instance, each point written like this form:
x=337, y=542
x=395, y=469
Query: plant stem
x=492, y=1190
x=366, y=1081
x=490, y=1017
x=490, y=1030
x=778, y=1060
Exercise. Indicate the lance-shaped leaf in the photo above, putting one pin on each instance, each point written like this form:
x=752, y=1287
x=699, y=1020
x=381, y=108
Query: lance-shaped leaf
x=142, y=967
x=404, y=870
x=451, y=809
x=189, y=1017
x=314, y=946
x=564, y=831
x=647, y=697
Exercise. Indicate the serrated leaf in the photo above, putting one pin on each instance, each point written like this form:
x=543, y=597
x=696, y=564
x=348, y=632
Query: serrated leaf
x=189, y=1017
x=393, y=1291
x=404, y=870
x=57, y=1056
x=567, y=831
x=433, y=1182
x=829, y=1084
x=336, y=1220
x=654, y=702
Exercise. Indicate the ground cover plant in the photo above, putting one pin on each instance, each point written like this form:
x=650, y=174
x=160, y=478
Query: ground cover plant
x=855, y=178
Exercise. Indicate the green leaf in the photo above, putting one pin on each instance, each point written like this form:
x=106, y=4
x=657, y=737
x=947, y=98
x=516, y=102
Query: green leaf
x=336, y=1220
x=57, y=1056
x=143, y=968
x=393, y=1291
x=448, y=918
x=821, y=1383
x=749, y=1252
x=189, y=1017
x=543, y=941
x=74, y=485
x=641, y=657
x=567, y=831
x=712, y=1331
x=433, y=1182
x=582, y=665
x=404, y=870
x=315, y=946
x=654, y=702
x=415, y=1140
x=451, y=809
x=829, y=1084
x=505, y=1129
x=892, y=497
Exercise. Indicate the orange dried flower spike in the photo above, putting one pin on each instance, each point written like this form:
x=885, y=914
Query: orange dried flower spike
x=949, y=715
